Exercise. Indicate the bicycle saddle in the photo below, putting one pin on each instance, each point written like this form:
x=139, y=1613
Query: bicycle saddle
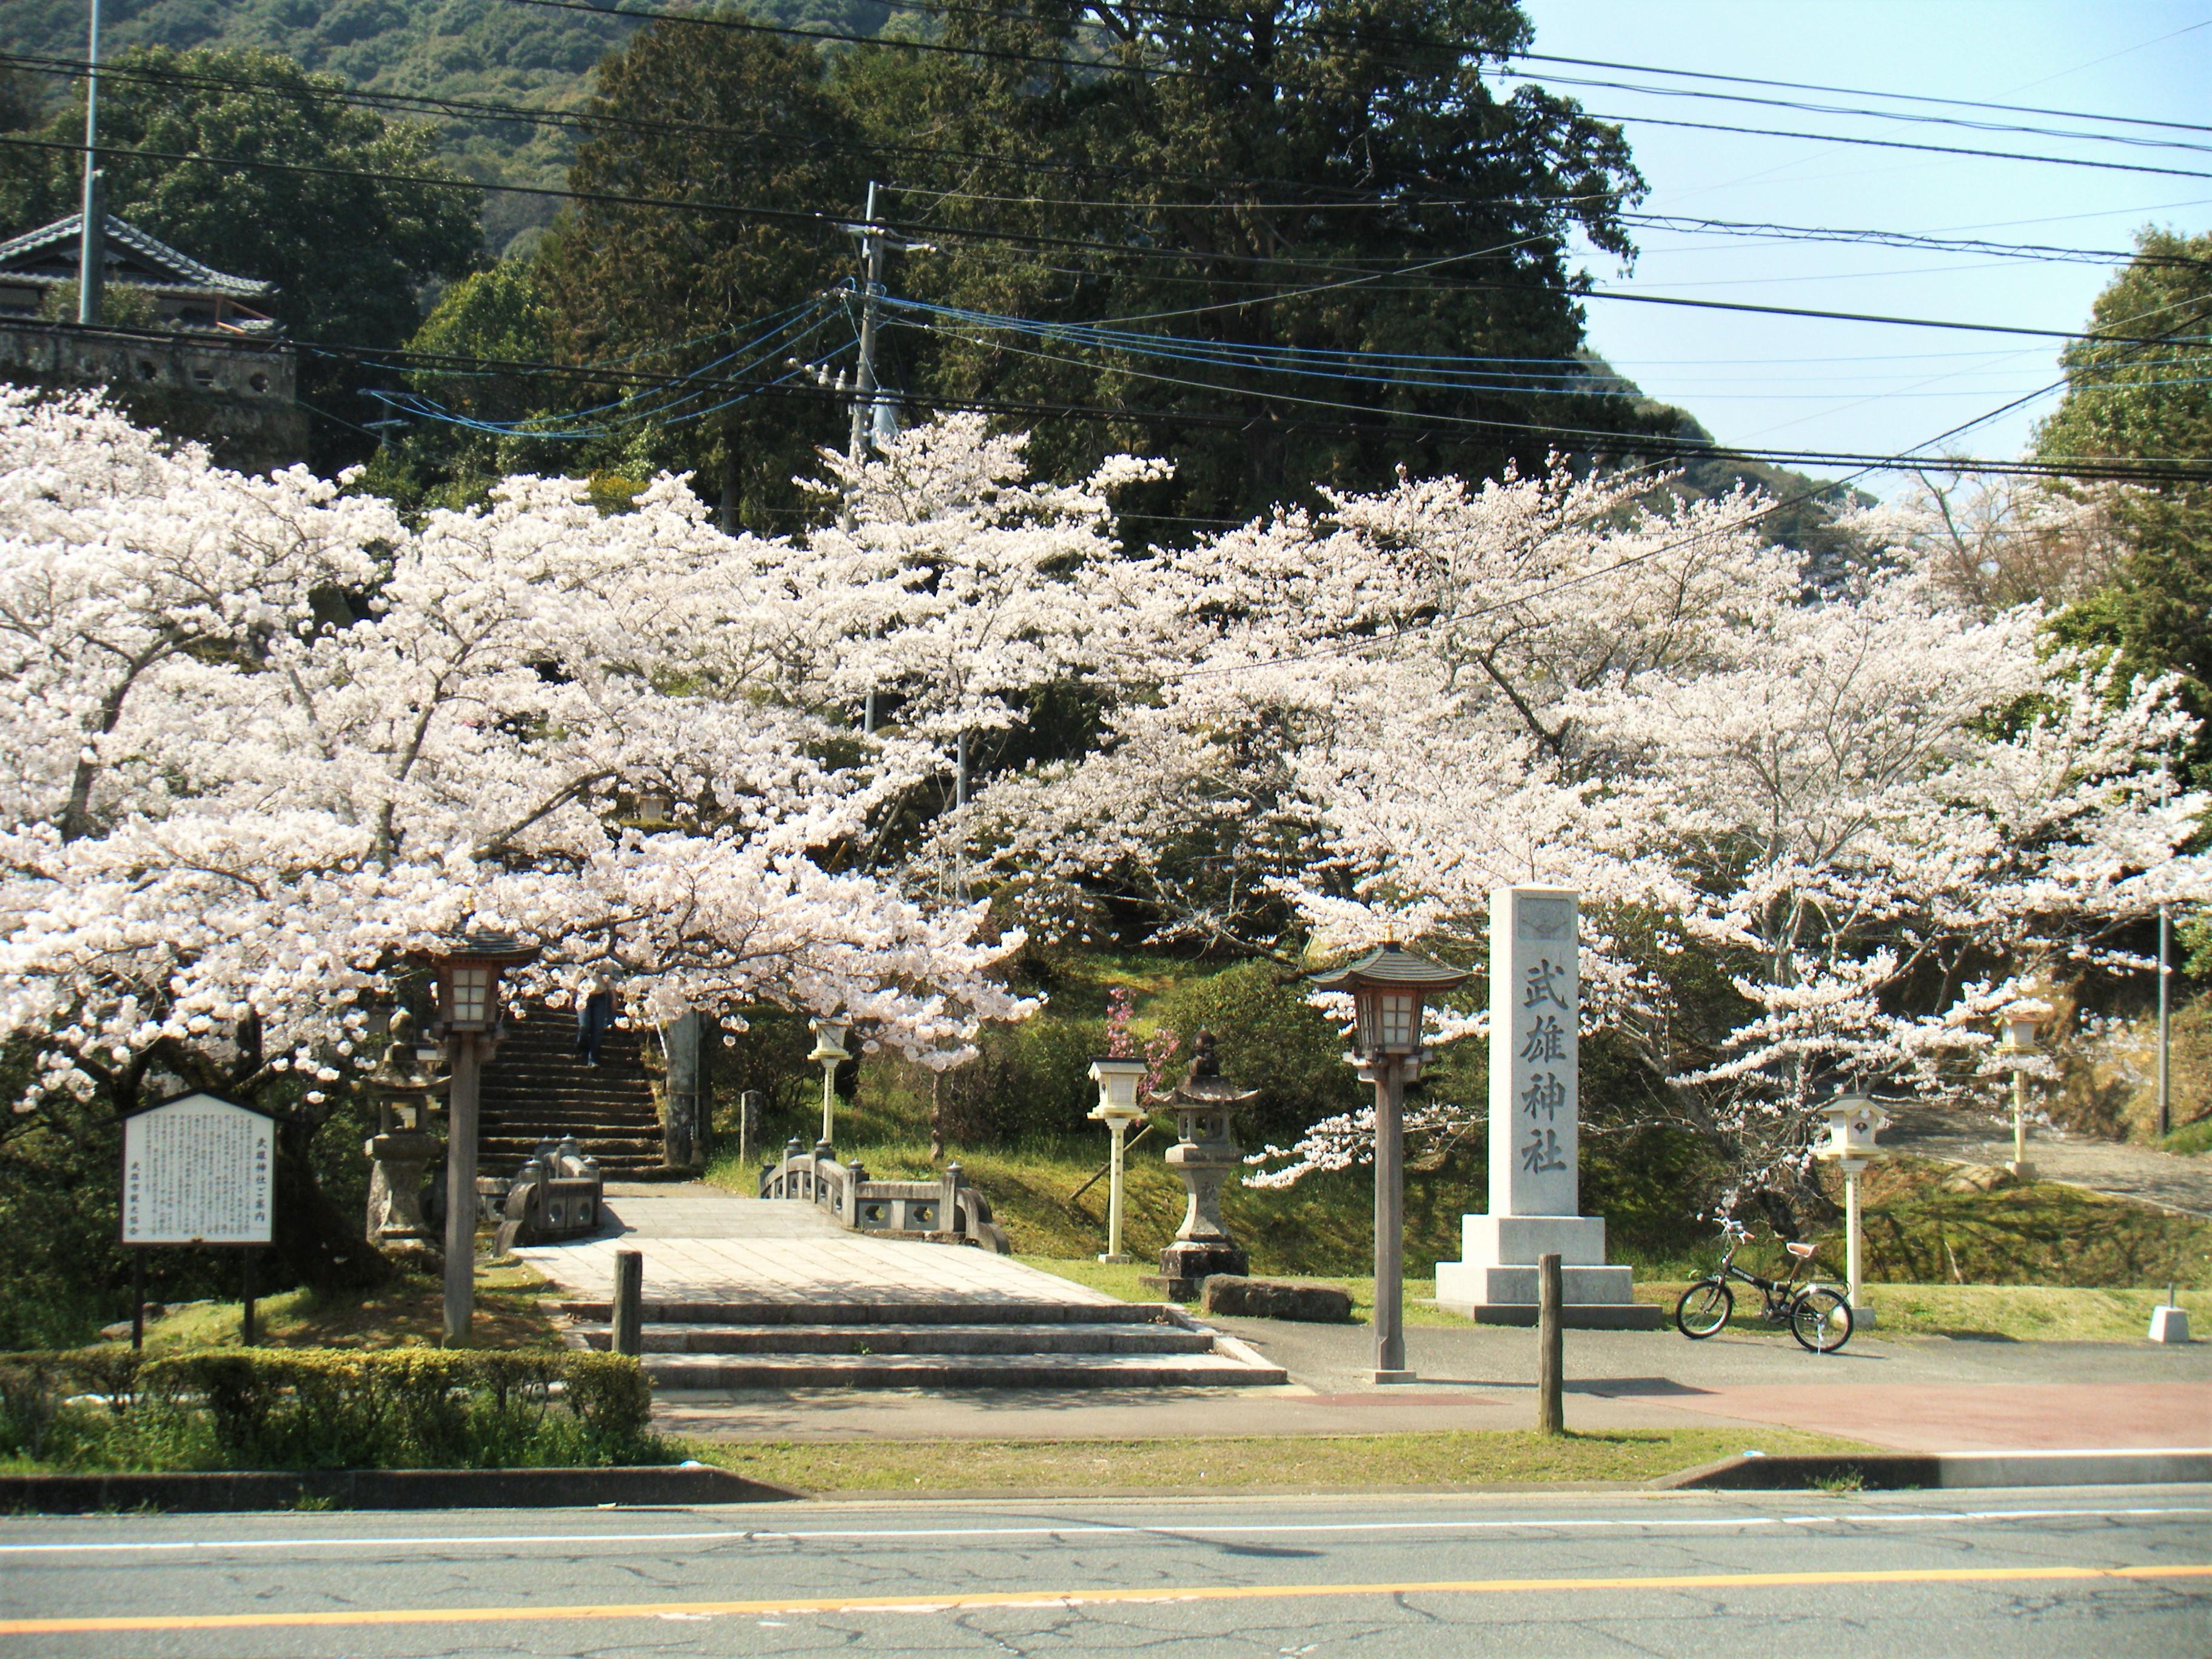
x=1802, y=1252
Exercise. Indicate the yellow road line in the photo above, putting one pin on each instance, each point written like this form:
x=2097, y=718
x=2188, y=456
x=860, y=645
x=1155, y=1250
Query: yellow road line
x=1086, y=1598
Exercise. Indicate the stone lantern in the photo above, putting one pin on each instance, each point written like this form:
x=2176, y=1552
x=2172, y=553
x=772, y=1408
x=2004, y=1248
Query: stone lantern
x=1208, y=1158
x=402, y=1148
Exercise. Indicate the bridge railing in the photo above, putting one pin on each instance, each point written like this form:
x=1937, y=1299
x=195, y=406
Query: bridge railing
x=946, y=1210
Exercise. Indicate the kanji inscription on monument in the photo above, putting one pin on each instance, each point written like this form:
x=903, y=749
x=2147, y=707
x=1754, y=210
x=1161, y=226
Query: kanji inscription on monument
x=1533, y=1016
x=198, y=1169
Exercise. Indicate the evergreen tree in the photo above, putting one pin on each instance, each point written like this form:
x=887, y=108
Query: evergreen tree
x=2151, y=403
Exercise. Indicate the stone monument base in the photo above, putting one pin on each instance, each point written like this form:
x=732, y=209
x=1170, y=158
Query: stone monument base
x=1494, y=1283
x=1186, y=1265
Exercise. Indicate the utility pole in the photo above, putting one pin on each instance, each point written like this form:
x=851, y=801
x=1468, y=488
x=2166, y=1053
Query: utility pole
x=91, y=247
x=2165, y=1032
x=875, y=241
x=872, y=241
x=2164, y=987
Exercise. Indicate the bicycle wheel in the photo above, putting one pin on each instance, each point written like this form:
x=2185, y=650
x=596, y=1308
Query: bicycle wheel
x=1704, y=1308
x=1820, y=1319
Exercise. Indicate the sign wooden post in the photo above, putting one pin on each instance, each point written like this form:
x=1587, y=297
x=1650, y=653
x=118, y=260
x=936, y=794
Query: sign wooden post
x=198, y=1169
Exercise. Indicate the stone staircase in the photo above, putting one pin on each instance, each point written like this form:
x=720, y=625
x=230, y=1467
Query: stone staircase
x=925, y=1345
x=535, y=1089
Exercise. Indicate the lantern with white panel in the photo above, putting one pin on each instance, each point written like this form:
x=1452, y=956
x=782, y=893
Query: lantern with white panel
x=1854, y=1123
x=2023, y=1022
x=1117, y=1078
x=830, y=1053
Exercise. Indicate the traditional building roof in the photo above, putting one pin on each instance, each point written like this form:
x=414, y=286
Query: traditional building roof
x=187, y=291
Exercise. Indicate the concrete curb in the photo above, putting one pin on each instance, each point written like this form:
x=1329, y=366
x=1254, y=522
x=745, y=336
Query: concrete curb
x=1897, y=1471
x=381, y=1489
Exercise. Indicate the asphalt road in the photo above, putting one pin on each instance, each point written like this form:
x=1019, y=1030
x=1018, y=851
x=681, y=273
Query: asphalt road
x=2104, y=1572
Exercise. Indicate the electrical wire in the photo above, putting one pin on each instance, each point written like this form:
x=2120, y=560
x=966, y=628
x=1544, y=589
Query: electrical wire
x=1901, y=143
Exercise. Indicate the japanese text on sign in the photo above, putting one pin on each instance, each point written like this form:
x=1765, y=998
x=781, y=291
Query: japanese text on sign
x=197, y=1170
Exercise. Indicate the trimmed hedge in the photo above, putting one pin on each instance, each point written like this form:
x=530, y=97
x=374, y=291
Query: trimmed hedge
x=307, y=1408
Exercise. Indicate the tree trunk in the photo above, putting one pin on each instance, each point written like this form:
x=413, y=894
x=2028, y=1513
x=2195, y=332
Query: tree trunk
x=323, y=1246
x=731, y=482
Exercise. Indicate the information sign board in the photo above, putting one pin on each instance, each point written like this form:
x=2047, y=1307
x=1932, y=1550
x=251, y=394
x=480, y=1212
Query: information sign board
x=198, y=1169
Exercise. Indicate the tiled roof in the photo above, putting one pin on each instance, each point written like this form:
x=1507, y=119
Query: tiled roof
x=181, y=269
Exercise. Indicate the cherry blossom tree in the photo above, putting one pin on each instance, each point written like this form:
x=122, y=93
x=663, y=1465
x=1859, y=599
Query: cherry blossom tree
x=959, y=584
x=235, y=814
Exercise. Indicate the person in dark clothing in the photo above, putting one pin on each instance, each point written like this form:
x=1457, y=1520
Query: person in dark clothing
x=595, y=1013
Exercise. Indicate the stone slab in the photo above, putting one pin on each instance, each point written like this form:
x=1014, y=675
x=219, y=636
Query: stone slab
x=1461, y=1284
x=1574, y=1316
x=1518, y=1240
x=1277, y=1298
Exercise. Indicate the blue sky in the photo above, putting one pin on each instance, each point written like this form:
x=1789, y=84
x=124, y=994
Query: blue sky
x=1802, y=383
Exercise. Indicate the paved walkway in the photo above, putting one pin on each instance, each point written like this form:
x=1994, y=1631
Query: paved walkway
x=2170, y=1181
x=701, y=1244
x=1918, y=1395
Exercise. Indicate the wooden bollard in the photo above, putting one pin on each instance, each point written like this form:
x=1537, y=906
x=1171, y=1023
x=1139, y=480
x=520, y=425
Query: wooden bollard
x=630, y=1302
x=1551, y=1348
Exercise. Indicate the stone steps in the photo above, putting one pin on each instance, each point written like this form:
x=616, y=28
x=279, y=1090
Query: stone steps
x=535, y=1089
x=990, y=1371
x=900, y=1312
x=946, y=1344
x=883, y=1340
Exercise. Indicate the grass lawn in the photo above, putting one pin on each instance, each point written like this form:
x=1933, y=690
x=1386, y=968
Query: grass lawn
x=2015, y=1313
x=410, y=1310
x=2027, y=1313
x=1440, y=1461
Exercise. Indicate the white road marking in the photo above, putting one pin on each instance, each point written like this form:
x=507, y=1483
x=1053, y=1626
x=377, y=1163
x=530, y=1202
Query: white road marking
x=734, y=1535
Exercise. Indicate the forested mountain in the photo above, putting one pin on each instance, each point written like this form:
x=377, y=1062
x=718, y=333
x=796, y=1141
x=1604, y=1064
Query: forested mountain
x=1104, y=162
x=492, y=50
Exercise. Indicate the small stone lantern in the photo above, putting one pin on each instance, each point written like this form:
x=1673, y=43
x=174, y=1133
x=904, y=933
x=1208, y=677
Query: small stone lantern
x=399, y=1151
x=1208, y=1158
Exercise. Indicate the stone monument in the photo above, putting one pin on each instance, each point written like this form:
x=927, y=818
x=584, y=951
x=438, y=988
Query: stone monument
x=1206, y=1155
x=1536, y=1109
x=401, y=1150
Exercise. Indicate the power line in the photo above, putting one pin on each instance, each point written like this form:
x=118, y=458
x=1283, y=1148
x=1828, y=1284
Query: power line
x=820, y=221
x=1859, y=111
x=474, y=109
x=1900, y=143
x=2125, y=469
x=1406, y=44
x=1695, y=226
x=1856, y=92
x=460, y=108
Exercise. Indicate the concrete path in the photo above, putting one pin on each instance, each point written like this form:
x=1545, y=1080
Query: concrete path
x=2170, y=1181
x=1920, y=1395
x=701, y=1244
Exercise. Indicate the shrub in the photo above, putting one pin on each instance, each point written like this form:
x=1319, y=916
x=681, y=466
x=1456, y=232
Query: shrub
x=1267, y=1037
x=318, y=1408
